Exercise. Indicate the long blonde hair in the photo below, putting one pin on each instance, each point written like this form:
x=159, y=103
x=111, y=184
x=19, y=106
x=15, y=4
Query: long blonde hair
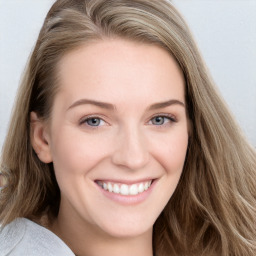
x=213, y=210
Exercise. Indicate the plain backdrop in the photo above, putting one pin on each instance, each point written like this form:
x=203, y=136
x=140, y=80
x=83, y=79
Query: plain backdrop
x=225, y=31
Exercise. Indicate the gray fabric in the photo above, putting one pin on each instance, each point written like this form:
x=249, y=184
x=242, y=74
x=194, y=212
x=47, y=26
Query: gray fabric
x=24, y=237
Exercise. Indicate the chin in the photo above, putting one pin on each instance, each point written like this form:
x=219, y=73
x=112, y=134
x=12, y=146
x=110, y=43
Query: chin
x=128, y=232
x=126, y=226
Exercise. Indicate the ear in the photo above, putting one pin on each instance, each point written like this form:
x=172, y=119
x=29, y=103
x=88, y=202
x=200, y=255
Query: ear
x=40, y=138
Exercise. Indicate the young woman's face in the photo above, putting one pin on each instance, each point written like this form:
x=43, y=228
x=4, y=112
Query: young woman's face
x=118, y=135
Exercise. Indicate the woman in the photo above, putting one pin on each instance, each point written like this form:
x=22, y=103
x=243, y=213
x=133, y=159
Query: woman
x=120, y=144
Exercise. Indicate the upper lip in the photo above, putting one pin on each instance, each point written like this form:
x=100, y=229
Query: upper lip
x=124, y=181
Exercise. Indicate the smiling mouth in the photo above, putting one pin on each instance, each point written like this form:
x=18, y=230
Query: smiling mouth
x=125, y=189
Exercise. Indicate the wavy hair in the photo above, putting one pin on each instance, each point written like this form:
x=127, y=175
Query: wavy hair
x=213, y=210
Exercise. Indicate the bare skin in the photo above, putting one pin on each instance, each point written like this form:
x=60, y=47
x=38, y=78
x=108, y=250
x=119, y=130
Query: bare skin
x=118, y=122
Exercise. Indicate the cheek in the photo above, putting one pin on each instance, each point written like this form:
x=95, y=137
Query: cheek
x=171, y=152
x=171, y=156
x=75, y=153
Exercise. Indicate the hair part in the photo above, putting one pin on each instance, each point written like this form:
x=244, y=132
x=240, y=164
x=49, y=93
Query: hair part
x=213, y=210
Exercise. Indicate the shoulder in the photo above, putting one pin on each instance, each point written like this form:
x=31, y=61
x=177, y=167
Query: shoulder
x=24, y=237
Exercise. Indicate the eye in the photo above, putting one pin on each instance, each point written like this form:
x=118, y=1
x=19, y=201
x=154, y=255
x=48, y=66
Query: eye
x=161, y=120
x=93, y=121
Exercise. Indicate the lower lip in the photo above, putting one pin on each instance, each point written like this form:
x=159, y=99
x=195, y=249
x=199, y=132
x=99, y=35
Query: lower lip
x=129, y=199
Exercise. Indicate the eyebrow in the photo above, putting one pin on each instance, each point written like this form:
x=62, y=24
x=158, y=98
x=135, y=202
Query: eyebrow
x=166, y=104
x=112, y=107
x=92, y=102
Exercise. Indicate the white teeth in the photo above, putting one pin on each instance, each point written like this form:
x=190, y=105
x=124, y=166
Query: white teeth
x=116, y=189
x=110, y=189
x=141, y=188
x=105, y=186
x=125, y=189
x=133, y=189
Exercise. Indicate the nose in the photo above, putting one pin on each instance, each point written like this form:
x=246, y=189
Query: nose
x=131, y=150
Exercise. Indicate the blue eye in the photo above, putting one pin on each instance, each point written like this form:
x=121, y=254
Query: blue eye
x=161, y=120
x=93, y=121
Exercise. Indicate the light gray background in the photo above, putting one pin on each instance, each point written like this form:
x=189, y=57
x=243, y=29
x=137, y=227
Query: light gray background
x=225, y=31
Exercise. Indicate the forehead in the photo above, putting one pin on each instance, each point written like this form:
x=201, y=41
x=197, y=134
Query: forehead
x=120, y=69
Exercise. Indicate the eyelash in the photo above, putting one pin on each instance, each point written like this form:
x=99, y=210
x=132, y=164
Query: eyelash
x=88, y=118
x=85, y=120
x=171, y=119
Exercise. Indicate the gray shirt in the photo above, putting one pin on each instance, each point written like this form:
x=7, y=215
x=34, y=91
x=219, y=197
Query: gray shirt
x=24, y=237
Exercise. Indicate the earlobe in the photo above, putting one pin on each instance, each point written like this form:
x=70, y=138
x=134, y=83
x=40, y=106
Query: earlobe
x=39, y=138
